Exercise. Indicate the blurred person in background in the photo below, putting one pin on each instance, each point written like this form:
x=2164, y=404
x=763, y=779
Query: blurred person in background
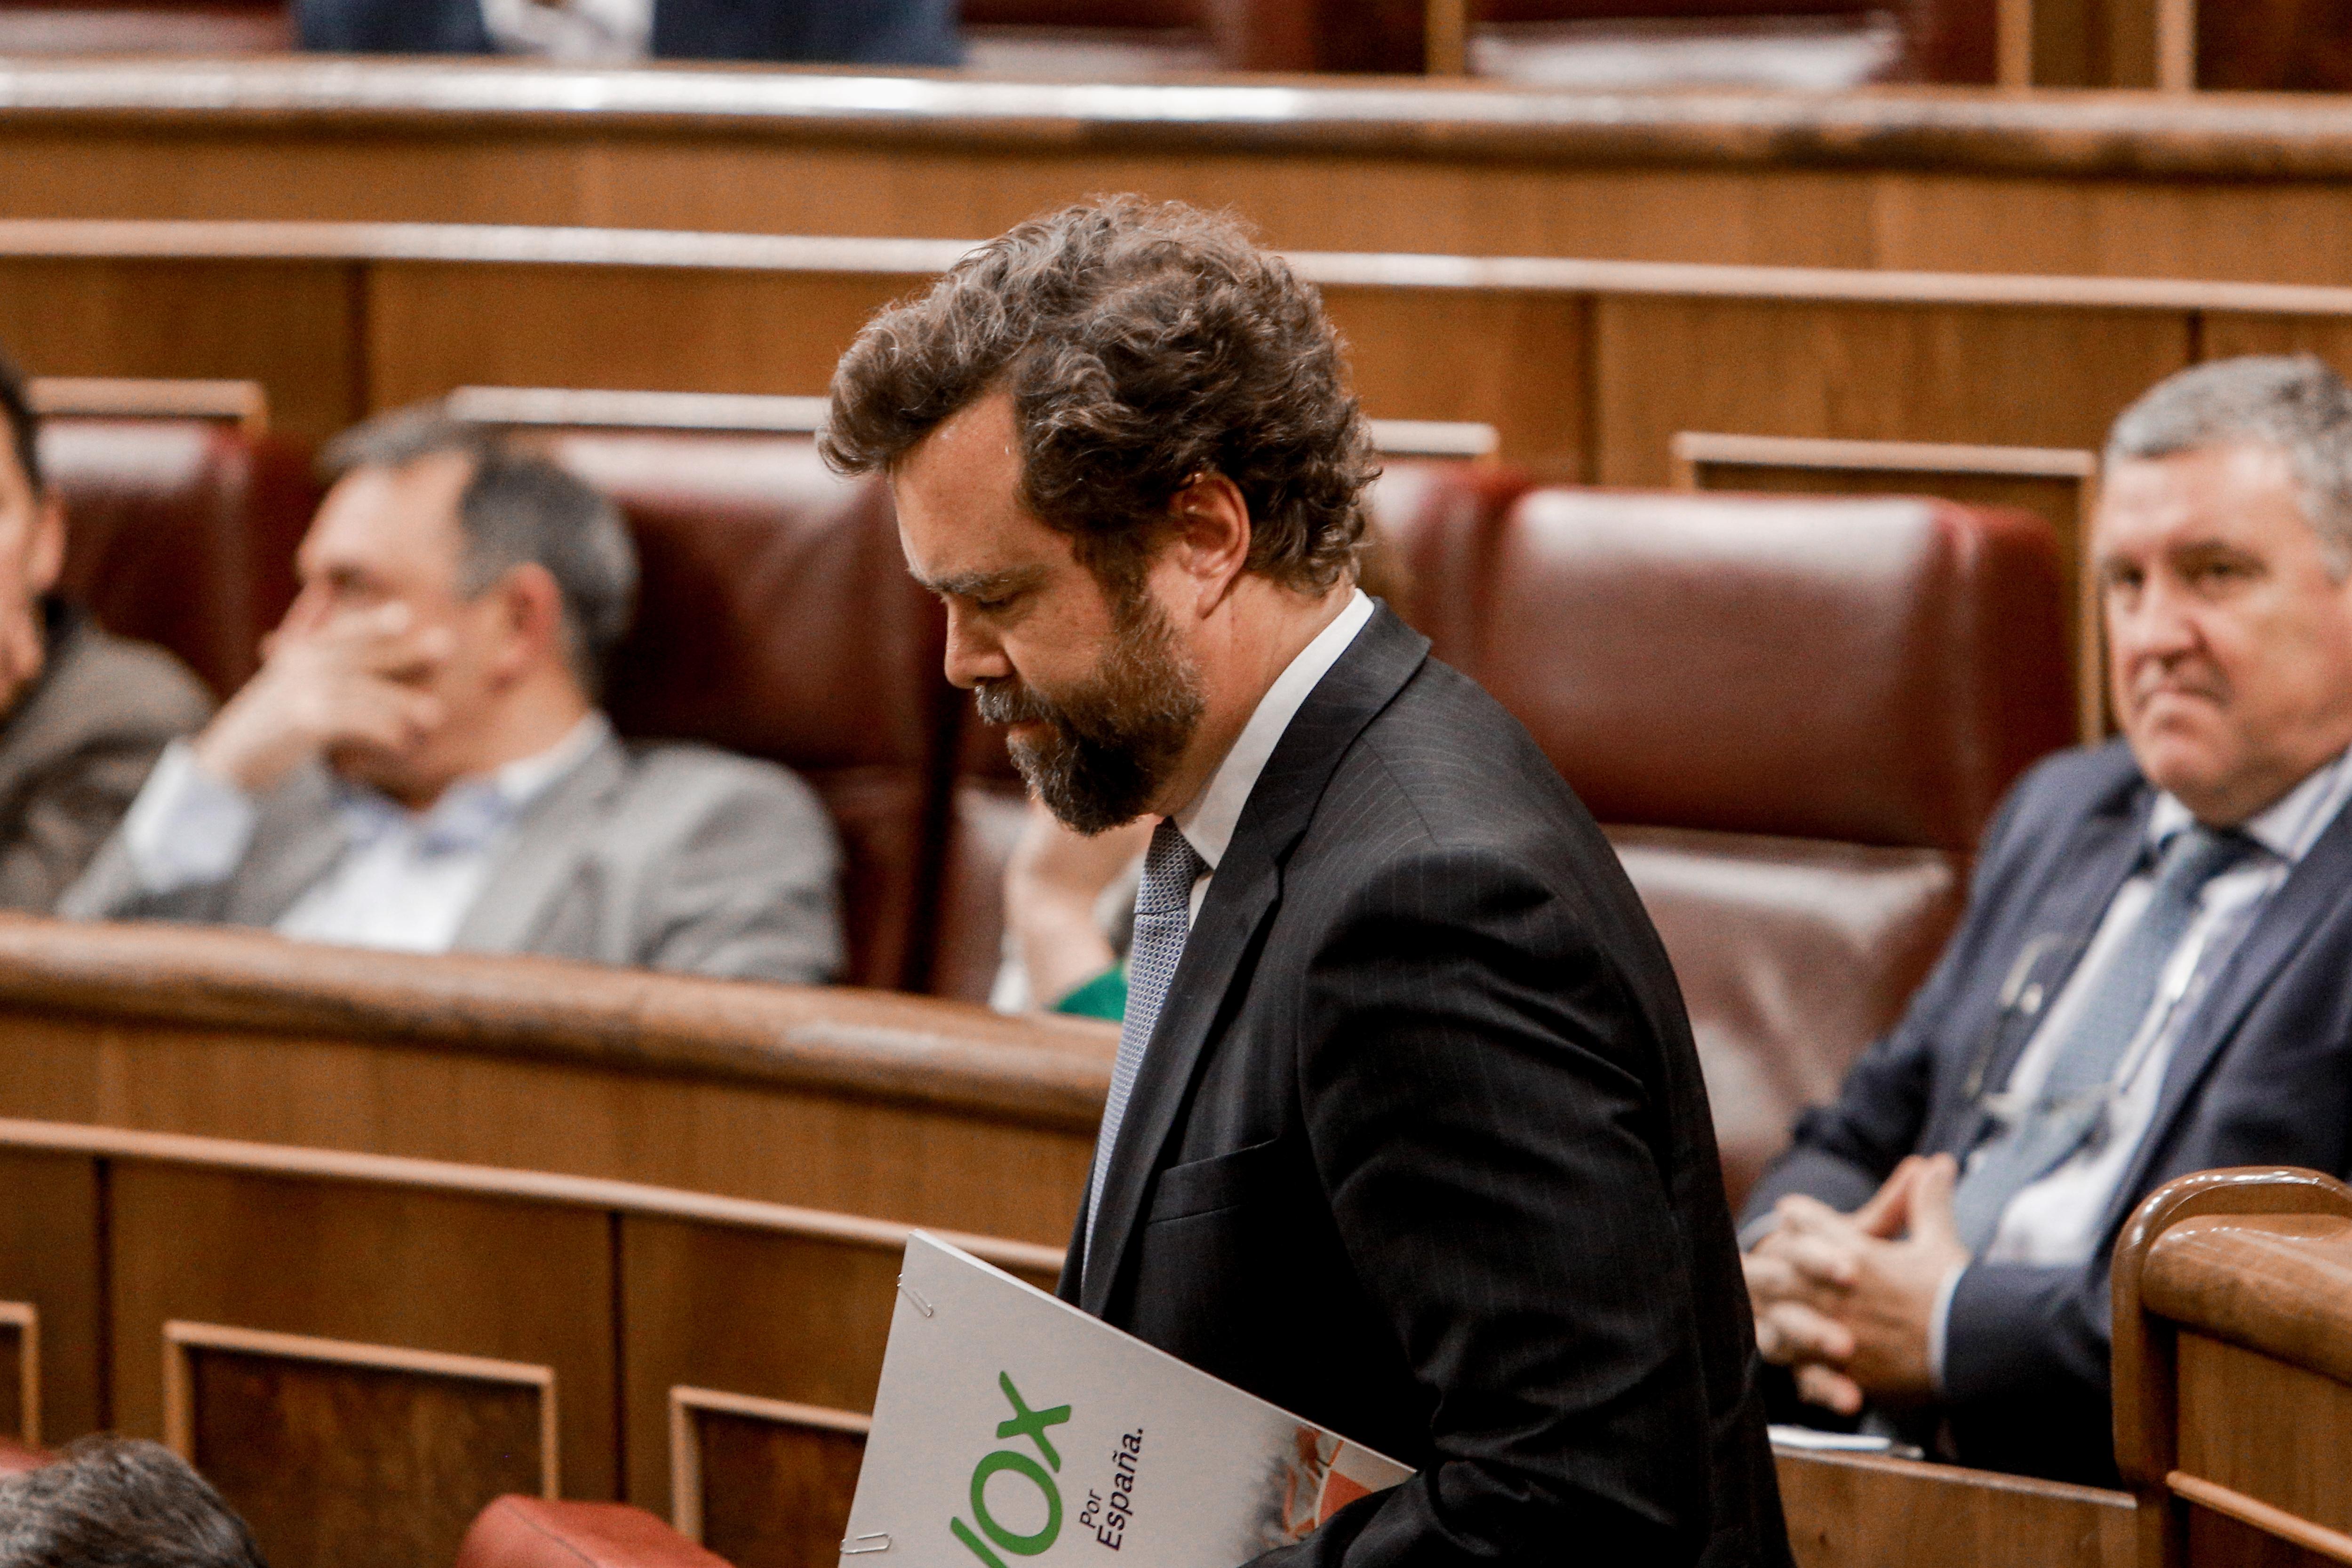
x=618, y=32
x=119, y=1502
x=83, y=716
x=2150, y=978
x=421, y=765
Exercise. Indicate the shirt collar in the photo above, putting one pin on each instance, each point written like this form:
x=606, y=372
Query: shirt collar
x=1208, y=821
x=474, y=810
x=2287, y=829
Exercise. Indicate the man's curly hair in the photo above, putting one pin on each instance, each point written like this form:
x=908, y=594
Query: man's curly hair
x=1144, y=345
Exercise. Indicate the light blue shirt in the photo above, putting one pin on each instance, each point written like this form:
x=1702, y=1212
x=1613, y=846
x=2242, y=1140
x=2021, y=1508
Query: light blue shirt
x=405, y=880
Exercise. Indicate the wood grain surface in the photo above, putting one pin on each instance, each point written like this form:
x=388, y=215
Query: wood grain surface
x=1858, y=1510
x=2142, y=184
x=360, y=1349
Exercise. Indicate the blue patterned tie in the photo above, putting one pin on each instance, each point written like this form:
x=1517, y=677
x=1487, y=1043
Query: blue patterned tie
x=2073, y=1100
x=1163, y=905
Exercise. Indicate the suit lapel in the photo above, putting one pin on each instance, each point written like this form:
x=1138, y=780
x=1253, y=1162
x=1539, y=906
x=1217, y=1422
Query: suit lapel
x=1211, y=979
x=2311, y=890
x=550, y=842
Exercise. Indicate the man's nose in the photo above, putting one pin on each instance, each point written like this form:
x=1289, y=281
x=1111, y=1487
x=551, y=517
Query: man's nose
x=973, y=655
x=2161, y=625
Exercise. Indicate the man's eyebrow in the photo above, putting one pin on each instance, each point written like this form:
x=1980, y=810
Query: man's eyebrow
x=985, y=584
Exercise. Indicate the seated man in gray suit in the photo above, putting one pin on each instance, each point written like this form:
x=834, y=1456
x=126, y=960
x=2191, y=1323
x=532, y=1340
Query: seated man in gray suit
x=83, y=716
x=420, y=763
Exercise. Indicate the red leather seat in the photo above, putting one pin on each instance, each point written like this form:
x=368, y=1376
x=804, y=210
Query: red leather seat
x=530, y=1532
x=146, y=27
x=15, y=1458
x=777, y=618
x=182, y=532
x=1797, y=715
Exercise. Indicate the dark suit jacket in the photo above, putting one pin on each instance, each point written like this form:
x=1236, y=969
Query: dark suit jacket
x=1420, y=1150
x=2263, y=1075
x=76, y=746
x=847, y=32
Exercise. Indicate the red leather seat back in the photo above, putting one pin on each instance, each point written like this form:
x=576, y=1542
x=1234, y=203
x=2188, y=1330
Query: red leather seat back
x=1874, y=670
x=777, y=618
x=1432, y=528
x=531, y=1532
x=1793, y=954
x=181, y=532
x=1798, y=713
x=15, y=1458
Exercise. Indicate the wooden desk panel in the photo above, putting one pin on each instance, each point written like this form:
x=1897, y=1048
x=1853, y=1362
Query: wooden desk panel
x=2004, y=375
x=935, y=1113
x=1861, y=1510
x=2146, y=185
x=285, y=325
x=1588, y=369
x=354, y=1346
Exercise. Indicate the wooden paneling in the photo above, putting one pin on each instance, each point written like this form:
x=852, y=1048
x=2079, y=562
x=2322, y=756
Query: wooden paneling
x=368, y=1456
x=2133, y=185
x=930, y=1112
x=1853, y=1511
x=1989, y=374
x=2292, y=1457
x=460, y=1274
x=793, y=1317
x=433, y=328
x=1585, y=368
x=50, y=1261
x=761, y=1482
x=2330, y=337
x=20, y=1372
x=1528, y=382
x=285, y=325
x=361, y=1350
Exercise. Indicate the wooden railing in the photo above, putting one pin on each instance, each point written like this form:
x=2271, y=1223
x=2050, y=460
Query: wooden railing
x=360, y=1351
x=924, y=1112
x=2148, y=184
x=1584, y=369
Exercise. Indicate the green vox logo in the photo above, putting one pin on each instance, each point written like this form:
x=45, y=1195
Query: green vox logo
x=1025, y=1423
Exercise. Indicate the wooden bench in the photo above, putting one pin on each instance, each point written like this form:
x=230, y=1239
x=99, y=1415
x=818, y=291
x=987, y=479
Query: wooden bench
x=362, y=1352
x=1584, y=369
x=924, y=1112
x=2233, y=1369
x=1947, y=180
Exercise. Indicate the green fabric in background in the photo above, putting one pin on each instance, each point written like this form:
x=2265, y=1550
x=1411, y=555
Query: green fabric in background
x=1104, y=996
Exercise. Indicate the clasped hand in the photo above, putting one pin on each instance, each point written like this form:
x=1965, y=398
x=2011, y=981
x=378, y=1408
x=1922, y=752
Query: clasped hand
x=1845, y=1299
x=351, y=679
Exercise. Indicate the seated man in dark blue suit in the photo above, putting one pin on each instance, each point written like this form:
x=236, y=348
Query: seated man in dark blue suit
x=2153, y=975
x=845, y=32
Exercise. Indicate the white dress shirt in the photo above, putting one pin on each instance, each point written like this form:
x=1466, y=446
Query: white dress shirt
x=1208, y=821
x=405, y=880
x=2054, y=1222
x=584, y=31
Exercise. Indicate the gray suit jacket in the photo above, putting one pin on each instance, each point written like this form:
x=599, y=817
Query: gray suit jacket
x=671, y=857
x=77, y=746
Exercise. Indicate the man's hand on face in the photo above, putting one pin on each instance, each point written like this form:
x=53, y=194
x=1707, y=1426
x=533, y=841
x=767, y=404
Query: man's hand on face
x=353, y=679
x=1846, y=1300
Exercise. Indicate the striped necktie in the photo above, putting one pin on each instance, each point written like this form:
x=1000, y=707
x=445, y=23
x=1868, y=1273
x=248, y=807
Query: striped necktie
x=1163, y=904
x=2072, y=1098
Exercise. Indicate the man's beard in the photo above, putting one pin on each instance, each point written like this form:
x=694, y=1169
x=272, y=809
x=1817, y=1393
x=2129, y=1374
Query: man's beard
x=1110, y=744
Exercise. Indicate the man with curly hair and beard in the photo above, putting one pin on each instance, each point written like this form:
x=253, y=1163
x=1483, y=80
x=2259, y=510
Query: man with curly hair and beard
x=1406, y=1132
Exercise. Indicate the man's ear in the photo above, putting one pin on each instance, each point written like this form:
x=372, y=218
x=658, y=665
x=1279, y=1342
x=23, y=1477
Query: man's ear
x=531, y=607
x=1209, y=536
x=44, y=552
